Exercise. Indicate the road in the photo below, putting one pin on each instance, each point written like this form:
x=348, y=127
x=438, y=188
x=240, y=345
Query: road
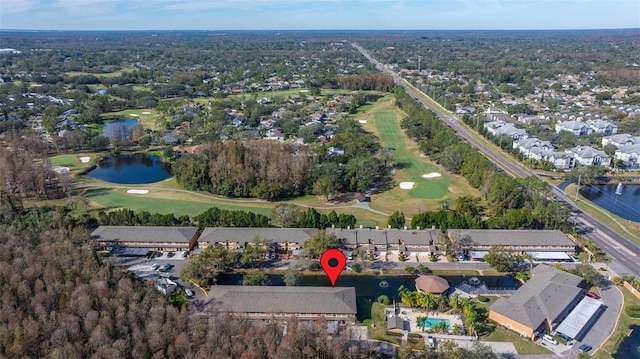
x=625, y=253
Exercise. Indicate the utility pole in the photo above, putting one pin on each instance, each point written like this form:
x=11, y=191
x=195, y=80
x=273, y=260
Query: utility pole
x=578, y=189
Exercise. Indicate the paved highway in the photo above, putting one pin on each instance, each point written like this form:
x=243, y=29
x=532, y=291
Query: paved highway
x=625, y=253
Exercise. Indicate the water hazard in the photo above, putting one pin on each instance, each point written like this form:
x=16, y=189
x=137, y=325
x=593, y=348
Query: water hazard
x=131, y=169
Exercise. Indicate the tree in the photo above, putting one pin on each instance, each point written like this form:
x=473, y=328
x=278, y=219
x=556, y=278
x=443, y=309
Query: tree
x=500, y=259
x=254, y=251
x=258, y=278
x=320, y=242
x=383, y=299
x=325, y=186
x=589, y=274
x=396, y=220
x=292, y=277
x=286, y=215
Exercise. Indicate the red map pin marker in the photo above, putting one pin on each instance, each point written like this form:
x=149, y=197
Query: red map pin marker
x=333, y=262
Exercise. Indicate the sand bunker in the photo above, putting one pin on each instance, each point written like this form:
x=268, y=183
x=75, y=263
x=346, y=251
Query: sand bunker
x=432, y=175
x=406, y=185
x=362, y=121
x=85, y=159
x=146, y=112
x=134, y=115
x=137, y=191
x=60, y=169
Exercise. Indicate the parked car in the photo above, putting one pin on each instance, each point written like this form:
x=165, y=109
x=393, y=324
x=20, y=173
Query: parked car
x=550, y=339
x=184, y=254
x=155, y=266
x=592, y=295
x=566, y=338
x=170, y=254
x=584, y=348
x=189, y=293
x=166, y=267
x=350, y=256
x=432, y=341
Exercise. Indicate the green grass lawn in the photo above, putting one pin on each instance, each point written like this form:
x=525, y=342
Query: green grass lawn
x=146, y=116
x=413, y=167
x=523, y=346
x=73, y=161
x=114, y=199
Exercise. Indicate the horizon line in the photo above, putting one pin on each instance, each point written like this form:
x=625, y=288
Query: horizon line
x=336, y=29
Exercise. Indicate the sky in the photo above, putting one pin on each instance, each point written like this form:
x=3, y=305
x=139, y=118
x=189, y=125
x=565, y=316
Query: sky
x=318, y=14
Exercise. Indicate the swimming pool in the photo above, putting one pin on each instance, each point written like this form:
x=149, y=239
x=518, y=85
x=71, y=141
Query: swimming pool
x=432, y=322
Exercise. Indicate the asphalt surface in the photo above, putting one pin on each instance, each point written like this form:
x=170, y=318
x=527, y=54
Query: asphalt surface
x=625, y=253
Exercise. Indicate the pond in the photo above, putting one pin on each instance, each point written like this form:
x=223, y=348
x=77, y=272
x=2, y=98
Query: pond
x=118, y=128
x=131, y=169
x=375, y=286
x=630, y=346
x=625, y=205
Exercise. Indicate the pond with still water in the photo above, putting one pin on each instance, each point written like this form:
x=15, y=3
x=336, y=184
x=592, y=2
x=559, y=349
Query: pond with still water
x=131, y=169
x=626, y=204
x=375, y=286
x=630, y=346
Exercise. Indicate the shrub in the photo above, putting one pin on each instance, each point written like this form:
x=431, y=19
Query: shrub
x=384, y=300
x=409, y=269
x=314, y=266
x=482, y=299
x=414, y=335
x=633, y=311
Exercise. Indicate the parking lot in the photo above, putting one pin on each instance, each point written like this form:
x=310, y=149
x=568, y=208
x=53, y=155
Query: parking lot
x=153, y=268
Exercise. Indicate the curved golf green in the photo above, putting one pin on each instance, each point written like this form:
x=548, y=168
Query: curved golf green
x=393, y=136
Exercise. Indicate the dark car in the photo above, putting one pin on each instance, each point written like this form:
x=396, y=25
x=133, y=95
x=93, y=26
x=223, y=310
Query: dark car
x=585, y=348
x=592, y=295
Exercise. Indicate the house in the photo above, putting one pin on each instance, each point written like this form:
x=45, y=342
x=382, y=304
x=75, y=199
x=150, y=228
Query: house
x=543, y=245
x=280, y=303
x=589, y=156
x=630, y=155
x=578, y=128
x=145, y=238
x=541, y=304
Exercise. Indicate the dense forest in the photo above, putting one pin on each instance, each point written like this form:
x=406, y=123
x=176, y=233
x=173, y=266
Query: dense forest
x=353, y=161
x=61, y=299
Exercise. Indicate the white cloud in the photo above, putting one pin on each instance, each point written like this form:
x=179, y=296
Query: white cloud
x=15, y=6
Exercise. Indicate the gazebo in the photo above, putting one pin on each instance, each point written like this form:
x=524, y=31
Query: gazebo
x=432, y=284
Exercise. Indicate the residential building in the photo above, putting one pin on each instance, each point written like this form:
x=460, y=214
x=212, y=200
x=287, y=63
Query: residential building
x=541, y=304
x=578, y=128
x=377, y=241
x=630, y=155
x=603, y=127
x=589, y=156
x=281, y=240
x=497, y=128
x=280, y=303
x=145, y=238
x=541, y=244
x=621, y=140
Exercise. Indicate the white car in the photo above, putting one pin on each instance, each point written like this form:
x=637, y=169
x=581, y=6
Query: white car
x=189, y=293
x=550, y=339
